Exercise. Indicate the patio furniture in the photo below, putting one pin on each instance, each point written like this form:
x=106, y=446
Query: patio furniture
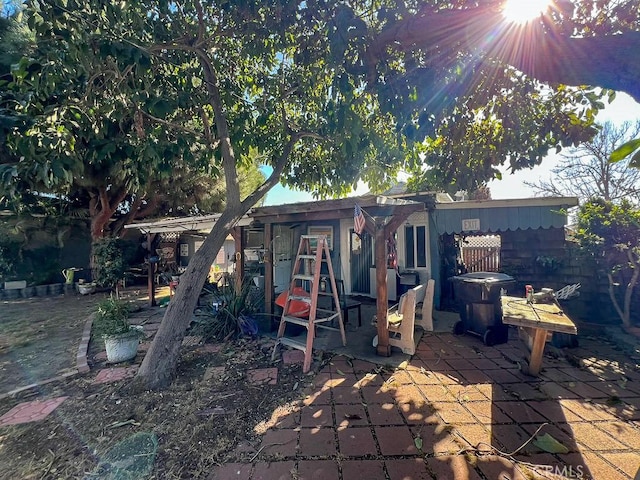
x=424, y=295
x=401, y=323
x=326, y=301
x=536, y=321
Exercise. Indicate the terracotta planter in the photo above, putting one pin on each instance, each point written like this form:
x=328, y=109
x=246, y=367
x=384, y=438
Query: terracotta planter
x=123, y=347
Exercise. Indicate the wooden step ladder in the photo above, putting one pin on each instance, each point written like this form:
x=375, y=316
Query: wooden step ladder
x=306, y=272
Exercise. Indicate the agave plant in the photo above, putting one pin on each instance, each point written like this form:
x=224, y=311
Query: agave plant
x=232, y=315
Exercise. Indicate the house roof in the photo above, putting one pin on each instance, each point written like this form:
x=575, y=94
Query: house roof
x=502, y=215
x=374, y=205
x=202, y=223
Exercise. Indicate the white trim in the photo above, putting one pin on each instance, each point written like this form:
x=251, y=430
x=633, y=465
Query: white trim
x=516, y=202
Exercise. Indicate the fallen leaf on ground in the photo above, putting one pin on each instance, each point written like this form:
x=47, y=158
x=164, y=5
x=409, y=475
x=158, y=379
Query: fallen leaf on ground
x=549, y=444
x=352, y=416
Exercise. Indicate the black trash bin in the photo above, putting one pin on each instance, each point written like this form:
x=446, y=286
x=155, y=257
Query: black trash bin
x=477, y=296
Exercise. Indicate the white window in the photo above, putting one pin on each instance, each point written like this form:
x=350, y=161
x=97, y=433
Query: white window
x=415, y=244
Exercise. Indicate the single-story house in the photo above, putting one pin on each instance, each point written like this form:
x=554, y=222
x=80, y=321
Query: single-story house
x=409, y=239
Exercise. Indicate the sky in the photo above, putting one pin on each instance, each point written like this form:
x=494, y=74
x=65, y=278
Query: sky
x=622, y=109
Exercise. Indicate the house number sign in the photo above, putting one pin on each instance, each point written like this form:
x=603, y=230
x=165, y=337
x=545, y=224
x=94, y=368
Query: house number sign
x=470, y=224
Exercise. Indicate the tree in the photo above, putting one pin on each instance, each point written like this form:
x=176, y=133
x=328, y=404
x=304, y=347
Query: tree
x=92, y=150
x=226, y=84
x=611, y=234
x=575, y=42
x=262, y=75
x=586, y=172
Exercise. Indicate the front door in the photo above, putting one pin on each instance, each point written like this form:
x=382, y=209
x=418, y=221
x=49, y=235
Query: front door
x=361, y=248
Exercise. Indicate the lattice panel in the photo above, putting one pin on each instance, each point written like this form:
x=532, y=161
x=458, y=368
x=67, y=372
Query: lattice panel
x=482, y=241
x=169, y=236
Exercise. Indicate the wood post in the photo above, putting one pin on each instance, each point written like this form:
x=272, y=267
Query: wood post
x=151, y=287
x=382, y=302
x=537, y=350
x=268, y=268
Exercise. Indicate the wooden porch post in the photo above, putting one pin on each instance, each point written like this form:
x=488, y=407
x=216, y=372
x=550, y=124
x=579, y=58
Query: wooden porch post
x=151, y=288
x=268, y=268
x=382, y=298
x=383, y=232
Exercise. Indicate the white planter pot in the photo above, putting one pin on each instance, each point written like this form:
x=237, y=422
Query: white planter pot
x=123, y=347
x=86, y=288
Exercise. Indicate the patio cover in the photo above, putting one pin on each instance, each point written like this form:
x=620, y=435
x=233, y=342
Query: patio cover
x=503, y=215
x=201, y=223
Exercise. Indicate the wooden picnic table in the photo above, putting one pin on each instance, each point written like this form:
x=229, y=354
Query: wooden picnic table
x=536, y=320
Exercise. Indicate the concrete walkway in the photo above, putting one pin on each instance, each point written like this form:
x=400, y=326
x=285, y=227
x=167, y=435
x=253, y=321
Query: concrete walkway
x=457, y=409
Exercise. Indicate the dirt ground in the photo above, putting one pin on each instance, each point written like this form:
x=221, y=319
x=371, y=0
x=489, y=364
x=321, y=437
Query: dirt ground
x=197, y=421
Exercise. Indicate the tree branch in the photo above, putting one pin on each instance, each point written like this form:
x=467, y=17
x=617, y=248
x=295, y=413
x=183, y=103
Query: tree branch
x=274, y=178
x=222, y=129
x=174, y=125
x=605, y=61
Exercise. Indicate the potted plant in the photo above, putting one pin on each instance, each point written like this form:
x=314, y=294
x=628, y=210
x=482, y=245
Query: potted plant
x=112, y=323
x=86, y=288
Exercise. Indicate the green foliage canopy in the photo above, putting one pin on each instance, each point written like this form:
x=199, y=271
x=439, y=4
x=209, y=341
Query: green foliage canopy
x=117, y=95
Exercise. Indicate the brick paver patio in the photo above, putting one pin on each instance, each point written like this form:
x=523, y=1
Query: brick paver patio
x=454, y=412
x=115, y=374
x=33, y=411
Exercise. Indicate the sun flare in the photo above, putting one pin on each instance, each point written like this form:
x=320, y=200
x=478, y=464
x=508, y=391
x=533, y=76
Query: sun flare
x=522, y=11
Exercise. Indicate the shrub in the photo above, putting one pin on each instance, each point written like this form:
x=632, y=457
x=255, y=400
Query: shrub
x=109, y=263
x=610, y=233
x=112, y=316
x=234, y=314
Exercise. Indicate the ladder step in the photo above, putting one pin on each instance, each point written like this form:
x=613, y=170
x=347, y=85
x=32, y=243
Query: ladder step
x=309, y=257
x=299, y=276
x=302, y=298
x=293, y=344
x=311, y=237
x=333, y=314
x=298, y=321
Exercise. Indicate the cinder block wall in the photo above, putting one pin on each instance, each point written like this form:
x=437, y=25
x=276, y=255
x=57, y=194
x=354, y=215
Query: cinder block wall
x=543, y=258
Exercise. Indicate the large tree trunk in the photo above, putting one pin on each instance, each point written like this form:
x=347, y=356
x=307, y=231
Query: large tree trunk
x=158, y=367
x=101, y=209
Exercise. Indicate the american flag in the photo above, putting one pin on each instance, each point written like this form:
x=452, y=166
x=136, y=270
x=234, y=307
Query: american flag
x=358, y=220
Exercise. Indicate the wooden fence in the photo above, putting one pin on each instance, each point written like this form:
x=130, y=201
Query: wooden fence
x=481, y=259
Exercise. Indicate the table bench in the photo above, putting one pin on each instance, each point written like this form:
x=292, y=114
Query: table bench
x=536, y=322
x=325, y=301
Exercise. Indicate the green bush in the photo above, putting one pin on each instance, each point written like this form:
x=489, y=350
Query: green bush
x=109, y=263
x=9, y=253
x=610, y=233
